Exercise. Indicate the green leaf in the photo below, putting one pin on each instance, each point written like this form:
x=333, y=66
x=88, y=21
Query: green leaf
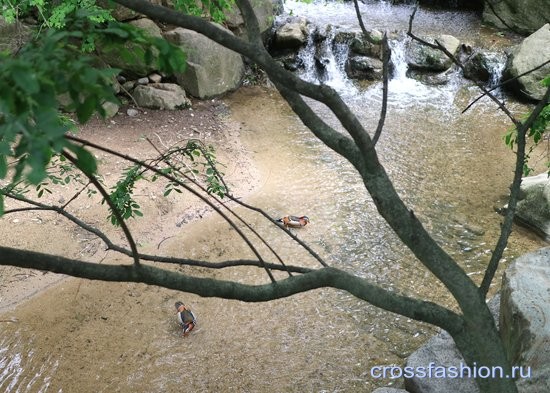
x=85, y=161
x=25, y=79
x=3, y=166
x=86, y=109
x=2, y=205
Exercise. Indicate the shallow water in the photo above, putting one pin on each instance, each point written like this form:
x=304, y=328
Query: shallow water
x=451, y=169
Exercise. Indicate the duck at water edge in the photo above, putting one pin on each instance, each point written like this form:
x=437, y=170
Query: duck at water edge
x=294, y=221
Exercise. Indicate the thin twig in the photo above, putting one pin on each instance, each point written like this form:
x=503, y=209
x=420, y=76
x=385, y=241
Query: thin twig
x=114, y=209
x=75, y=196
x=385, y=72
x=385, y=80
x=219, y=200
x=505, y=83
x=442, y=48
x=514, y=193
x=181, y=184
x=153, y=258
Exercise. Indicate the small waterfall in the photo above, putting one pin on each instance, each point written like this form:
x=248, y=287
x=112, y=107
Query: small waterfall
x=398, y=59
x=496, y=62
x=324, y=60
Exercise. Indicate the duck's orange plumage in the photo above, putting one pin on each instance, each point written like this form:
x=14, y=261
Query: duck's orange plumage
x=294, y=221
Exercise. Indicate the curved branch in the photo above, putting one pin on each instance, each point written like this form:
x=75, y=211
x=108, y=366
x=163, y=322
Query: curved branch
x=147, y=257
x=208, y=287
x=114, y=209
x=181, y=184
x=386, y=53
x=506, y=228
x=165, y=158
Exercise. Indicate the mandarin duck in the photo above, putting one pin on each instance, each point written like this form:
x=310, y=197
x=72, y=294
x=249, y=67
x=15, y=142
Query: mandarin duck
x=186, y=319
x=294, y=221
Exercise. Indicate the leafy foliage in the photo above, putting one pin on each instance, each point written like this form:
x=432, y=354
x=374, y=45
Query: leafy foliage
x=51, y=73
x=122, y=196
x=540, y=126
x=54, y=14
x=31, y=127
x=213, y=9
x=193, y=163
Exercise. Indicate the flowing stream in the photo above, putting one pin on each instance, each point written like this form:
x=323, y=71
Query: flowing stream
x=451, y=168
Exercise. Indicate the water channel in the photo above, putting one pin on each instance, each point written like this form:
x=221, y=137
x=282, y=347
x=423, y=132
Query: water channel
x=451, y=168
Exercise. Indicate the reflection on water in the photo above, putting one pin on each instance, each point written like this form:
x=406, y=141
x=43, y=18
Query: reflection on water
x=450, y=168
x=20, y=370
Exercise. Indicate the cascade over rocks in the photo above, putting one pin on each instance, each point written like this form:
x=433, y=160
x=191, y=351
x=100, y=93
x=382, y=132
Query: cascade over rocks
x=481, y=65
x=524, y=16
x=364, y=67
x=211, y=68
x=532, y=52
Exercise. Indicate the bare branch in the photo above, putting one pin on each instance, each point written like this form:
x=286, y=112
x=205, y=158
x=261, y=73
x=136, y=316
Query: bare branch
x=208, y=287
x=218, y=200
x=385, y=80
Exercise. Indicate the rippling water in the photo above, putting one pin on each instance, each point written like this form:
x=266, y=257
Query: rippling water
x=451, y=168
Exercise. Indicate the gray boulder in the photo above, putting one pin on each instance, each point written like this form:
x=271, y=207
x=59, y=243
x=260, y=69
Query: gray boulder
x=533, y=209
x=441, y=353
x=483, y=66
x=133, y=61
x=362, y=46
x=265, y=11
x=291, y=35
x=532, y=52
x=422, y=57
x=13, y=35
x=211, y=69
x=364, y=67
x=525, y=318
x=161, y=96
x=389, y=390
x=111, y=109
x=525, y=16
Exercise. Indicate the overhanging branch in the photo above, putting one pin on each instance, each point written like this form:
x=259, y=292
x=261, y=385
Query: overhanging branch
x=208, y=287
